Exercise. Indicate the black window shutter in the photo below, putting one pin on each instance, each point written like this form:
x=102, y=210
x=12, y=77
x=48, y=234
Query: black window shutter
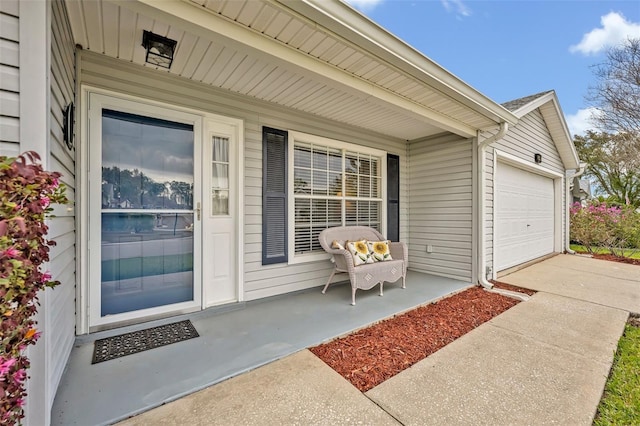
x=393, y=197
x=274, y=196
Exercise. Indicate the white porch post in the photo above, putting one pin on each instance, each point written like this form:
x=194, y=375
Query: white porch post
x=35, y=43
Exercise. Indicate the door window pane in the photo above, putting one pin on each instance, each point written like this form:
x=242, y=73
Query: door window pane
x=147, y=260
x=220, y=178
x=220, y=150
x=220, y=202
x=147, y=163
x=146, y=257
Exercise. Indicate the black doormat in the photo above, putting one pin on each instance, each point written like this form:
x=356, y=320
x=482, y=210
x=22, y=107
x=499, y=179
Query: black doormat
x=138, y=341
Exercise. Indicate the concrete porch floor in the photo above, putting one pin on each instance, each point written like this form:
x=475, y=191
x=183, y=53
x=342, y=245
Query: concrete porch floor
x=230, y=343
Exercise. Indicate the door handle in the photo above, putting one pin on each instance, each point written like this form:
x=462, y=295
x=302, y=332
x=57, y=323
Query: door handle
x=198, y=210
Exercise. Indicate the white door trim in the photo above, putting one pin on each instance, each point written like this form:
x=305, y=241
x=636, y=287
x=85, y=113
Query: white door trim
x=558, y=180
x=82, y=290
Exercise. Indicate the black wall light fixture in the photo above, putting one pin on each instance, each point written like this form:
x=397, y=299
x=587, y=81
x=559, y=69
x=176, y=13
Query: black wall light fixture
x=537, y=158
x=160, y=49
x=67, y=126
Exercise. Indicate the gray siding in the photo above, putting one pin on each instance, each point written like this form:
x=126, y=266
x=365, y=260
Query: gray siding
x=9, y=78
x=259, y=281
x=440, y=206
x=61, y=301
x=531, y=136
x=528, y=137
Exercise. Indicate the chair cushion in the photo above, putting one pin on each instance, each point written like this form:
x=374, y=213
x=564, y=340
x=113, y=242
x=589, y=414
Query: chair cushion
x=337, y=245
x=379, y=250
x=360, y=252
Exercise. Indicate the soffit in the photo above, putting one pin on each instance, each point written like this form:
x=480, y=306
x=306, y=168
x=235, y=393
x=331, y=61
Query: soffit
x=115, y=28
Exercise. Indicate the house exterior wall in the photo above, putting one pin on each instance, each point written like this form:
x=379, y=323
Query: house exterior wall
x=9, y=78
x=259, y=280
x=440, y=206
x=60, y=307
x=528, y=137
x=28, y=30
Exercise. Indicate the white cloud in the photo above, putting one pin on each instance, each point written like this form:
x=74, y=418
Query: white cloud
x=456, y=6
x=615, y=29
x=364, y=4
x=581, y=121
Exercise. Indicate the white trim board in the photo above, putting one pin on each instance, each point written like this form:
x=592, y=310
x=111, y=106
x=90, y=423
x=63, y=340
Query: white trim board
x=525, y=165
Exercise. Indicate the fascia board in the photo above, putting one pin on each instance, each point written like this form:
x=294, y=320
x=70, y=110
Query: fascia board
x=201, y=22
x=566, y=135
x=351, y=25
x=531, y=106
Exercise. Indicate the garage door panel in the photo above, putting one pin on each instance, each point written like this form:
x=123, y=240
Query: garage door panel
x=524, y=216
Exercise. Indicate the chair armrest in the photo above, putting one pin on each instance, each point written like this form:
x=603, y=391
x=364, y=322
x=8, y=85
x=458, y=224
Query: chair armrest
x=343, y=258
x=398, y=250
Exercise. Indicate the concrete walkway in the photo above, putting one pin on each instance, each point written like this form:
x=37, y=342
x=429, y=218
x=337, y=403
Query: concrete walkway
x=545, y=361
x=598, y=281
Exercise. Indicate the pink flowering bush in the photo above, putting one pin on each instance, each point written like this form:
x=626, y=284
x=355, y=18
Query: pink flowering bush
x=26, y=195
x=598, y=225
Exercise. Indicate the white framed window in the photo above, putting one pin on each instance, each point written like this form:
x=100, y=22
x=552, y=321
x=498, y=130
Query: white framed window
x=331, y=183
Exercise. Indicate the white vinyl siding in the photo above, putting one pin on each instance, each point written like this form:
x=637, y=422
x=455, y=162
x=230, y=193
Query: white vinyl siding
x=440, y=207
x=60, y=309
x=259, y=280
x=530, y=136
x=9, y=78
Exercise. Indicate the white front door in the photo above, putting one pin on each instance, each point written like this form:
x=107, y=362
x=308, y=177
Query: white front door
x=163, y=201
x=525, y=216
x=219, y=213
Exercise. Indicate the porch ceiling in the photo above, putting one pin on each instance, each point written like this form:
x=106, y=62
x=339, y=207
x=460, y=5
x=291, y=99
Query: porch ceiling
x=266, y=50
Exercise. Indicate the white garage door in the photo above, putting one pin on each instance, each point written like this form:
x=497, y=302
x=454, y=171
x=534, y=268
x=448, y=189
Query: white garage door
x=524, y=216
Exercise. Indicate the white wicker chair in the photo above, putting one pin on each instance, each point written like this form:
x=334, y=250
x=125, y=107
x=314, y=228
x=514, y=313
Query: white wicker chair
x=365, y=276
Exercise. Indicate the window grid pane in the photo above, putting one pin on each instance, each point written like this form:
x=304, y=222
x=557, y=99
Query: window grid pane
x=333, y=187
x=220, y=176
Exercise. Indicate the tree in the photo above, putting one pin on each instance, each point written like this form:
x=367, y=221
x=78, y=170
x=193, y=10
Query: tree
x=616, y=96
x=182, y=193
x=613, y=160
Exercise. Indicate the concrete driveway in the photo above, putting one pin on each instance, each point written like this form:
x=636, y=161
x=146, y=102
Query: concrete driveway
x=612, y=284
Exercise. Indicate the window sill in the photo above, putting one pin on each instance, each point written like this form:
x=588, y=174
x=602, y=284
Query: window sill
x=308, y=258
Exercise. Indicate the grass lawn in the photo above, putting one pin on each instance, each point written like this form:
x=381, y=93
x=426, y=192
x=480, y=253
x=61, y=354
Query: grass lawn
x=620, y=404
x=627, y=253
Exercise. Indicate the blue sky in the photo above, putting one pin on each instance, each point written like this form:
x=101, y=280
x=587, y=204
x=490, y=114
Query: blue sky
x=509, y=49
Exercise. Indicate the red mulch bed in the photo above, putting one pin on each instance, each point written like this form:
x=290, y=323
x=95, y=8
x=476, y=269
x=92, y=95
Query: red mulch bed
x=510, y=287
x=370, y=356
x=614, y=258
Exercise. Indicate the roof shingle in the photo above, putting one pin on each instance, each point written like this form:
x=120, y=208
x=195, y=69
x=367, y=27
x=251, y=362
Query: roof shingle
x=516, y=104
